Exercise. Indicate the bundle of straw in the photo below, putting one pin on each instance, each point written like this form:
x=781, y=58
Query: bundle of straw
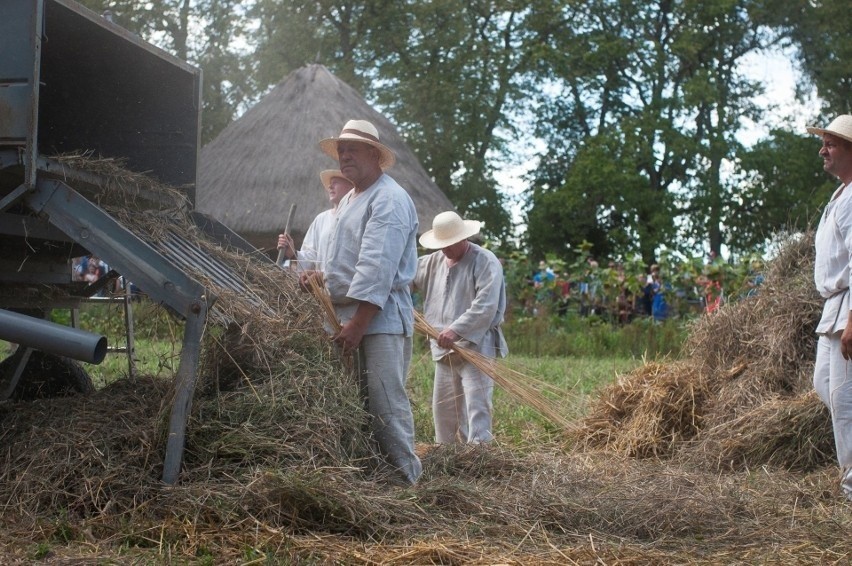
x=521, y=387
x=318, y=290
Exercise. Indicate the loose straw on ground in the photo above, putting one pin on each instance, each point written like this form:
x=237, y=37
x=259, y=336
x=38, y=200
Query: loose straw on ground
x=521, y=387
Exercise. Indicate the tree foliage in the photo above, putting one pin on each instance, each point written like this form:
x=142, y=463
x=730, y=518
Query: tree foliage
x=659, y=84
x=819, y=31
x=783, y=189
x=639, y=104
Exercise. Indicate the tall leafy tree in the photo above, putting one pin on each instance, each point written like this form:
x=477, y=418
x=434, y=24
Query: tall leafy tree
x=716, y=37
x=295, y=33
x=452, y=73
x=614, y=78
x=660, y=81
x=783, y=189
x=819, y=30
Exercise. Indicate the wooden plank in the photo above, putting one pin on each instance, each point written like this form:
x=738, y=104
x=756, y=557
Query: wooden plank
x=185, y=381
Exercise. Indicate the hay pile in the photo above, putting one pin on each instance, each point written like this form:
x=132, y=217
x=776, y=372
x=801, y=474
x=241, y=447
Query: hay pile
x=271, y=391
x=742, y=394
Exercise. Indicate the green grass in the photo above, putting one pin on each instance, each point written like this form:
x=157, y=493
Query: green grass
x=573, y=335
x=578, y=377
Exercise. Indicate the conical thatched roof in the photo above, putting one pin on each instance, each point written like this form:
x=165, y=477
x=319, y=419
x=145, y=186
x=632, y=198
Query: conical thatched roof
x=269, y=159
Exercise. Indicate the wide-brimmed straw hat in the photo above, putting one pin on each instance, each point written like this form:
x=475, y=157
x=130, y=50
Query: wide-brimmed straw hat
x=328, y=174
x=448, y=228
x=840, y=127
x=360, y=131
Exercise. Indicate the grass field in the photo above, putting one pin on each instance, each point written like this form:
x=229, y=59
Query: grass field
x=516, y=424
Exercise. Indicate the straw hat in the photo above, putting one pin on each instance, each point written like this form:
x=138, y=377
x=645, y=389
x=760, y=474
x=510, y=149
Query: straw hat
x=360, y=131
x=448, y=228
x=327, y=175
x=840, y=127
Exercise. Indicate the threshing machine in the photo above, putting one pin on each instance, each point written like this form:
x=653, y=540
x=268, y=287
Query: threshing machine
x=72, y=81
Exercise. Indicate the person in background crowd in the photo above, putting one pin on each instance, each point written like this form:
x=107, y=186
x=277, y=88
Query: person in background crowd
x=371, y=262
x=833, y=243
x=464, y=299
x=659, y=301
x=83, y=271
x=648, y=290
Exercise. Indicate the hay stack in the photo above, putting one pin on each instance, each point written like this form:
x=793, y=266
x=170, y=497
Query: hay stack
x=648, y=412
x=790, y=432
x=741, y=395
x=762, y=346
x=272, y=393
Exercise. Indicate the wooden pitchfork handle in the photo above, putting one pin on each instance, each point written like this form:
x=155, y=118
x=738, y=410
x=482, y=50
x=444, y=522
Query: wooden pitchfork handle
x=280, y=260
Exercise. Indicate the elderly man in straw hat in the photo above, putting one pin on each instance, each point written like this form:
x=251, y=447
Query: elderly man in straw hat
x=313, y=252
x=464, y=299
x=833, y=370
x=372, y=258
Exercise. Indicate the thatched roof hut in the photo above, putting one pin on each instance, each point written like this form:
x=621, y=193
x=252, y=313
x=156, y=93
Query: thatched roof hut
x=269, y=158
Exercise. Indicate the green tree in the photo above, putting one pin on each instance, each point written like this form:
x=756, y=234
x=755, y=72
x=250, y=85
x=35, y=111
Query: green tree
x=658, y=85
x=716, y=97
x=453, y=73
x=335, y=33
x=783, y=186
x=614, y=83
x=819, y=30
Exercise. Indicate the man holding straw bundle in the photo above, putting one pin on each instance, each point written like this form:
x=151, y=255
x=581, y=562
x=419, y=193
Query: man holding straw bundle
x=372, y=258
x=464, y=299
x=833, y=371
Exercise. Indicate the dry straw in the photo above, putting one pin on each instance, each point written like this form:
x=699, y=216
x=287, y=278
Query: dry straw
x=740, y=396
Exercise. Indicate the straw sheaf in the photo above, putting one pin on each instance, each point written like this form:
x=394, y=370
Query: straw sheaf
x=269, y=158
x=525, y=389
x=749, y=364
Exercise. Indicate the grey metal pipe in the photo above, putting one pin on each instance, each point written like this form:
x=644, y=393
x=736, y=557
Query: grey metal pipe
x=52, y=338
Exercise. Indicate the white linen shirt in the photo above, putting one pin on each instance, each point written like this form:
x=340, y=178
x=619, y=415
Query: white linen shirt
x=372, y=256
x=833, y=245
x=469, y=298
x=315, y=245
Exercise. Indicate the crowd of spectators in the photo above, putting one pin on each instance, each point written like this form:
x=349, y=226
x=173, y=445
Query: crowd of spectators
x=621, y=292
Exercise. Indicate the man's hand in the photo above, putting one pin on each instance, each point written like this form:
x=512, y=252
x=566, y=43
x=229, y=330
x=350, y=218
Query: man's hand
x=285, y=242
x=309, y=275
x=447, y=338
x=351, y=334
x=846, y=339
